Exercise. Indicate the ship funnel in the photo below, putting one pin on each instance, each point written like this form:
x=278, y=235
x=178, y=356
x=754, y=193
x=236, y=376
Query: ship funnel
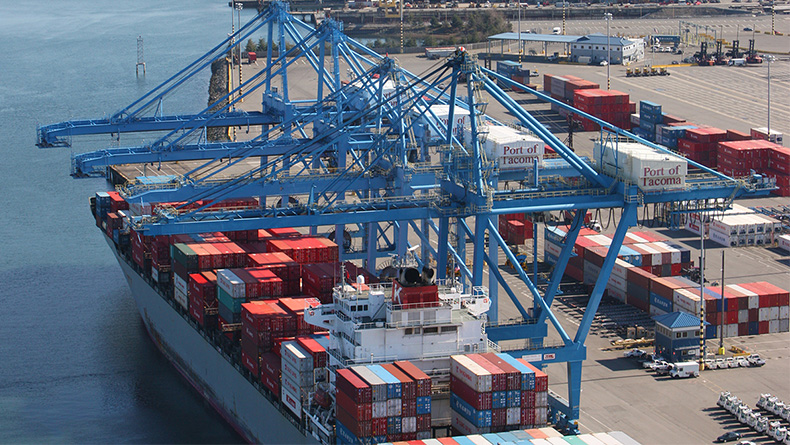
x=409, y=276
x=427, y=275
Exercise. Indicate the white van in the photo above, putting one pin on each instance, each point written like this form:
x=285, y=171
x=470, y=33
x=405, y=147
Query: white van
x=684, y=369
x=737, y=62
x=556, y=30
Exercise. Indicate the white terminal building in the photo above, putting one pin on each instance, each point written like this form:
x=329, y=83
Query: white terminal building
x=591, y=48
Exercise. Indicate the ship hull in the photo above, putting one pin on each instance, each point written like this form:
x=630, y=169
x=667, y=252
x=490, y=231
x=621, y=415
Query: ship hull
x=245, y=408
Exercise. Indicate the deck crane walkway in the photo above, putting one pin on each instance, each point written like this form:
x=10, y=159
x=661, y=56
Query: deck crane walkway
x=354, y=155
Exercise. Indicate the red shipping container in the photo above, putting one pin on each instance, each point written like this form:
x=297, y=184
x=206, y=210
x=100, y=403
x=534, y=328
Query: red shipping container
x=528, y=417
x=318, y=352
x=357, y=389
x=408, y=386
x=422, y=381
x=379, y=426
x=763, y=327
x=424, y=422
x=271, y=365
x=541, y=378
x=283, y=232
x=478, y=400
x=361, y=412
x=528, y=399
x=252, y=363
x=734, y=135
x=498, y=376
x=408, y=407
x=321, y=277
x=499, y=417
x=359, y=429
x=513, y=374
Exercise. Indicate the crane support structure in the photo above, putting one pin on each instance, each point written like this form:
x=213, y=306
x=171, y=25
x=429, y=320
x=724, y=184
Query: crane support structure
x=371, y=154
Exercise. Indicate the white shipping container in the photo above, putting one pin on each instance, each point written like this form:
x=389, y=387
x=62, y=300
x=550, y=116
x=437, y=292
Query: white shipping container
x=686, y=301
x=181, y=298
x=409, y=424
x=552, y=248
x=725, y=240
x=297, y=357
x=653, y=252
x=635, y=239
x=784, y=312
x=292, y=402
x=379, y=409
x=513, y=416
x=377, y=385
x=230, y=283
x=635, y=118
x=606, y=439
x=589, y=439
x=469, y=372
x=783, y=242
x=542, y=418
x=294, y=387
x=180, y=284
x=674, y=251
x=773, y=326
x=556, y=441
x=302, y=379
x=764, y=314
x=774, y=313
x=655, y=310
x=477, y=439
x=601, y=240
x=617, y=294
x=620, y=268
x=442, y=112
x=513, y=148
x=430, y=441
x=743, y=316
x=762, y=133
x=753, y=298
x=617, y=283
x=542, y=398
x=731, y=330
x=155, y=274
x=649, y=169
x=784, y=325
x=394, y=407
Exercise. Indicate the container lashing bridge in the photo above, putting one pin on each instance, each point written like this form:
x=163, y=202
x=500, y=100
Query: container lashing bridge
x=369, y=152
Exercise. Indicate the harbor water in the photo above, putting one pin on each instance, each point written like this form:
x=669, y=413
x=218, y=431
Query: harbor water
x=77, y=365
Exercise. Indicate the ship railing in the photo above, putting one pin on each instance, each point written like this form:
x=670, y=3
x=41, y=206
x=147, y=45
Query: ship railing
x=374, y=359
x=493, y=347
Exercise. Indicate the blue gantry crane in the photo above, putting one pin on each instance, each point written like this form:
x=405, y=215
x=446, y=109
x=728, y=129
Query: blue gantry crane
x=370, y=152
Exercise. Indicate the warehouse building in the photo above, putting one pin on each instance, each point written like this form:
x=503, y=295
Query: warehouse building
x=592, y=48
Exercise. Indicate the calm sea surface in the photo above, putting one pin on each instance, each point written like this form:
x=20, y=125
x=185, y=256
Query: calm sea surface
x=76, y=365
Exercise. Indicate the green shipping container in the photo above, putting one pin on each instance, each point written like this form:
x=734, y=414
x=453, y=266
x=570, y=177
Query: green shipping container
x=184, y=255
x=234, y=304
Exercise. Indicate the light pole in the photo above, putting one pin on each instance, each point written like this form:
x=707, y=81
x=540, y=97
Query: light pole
x=608, y=16
x=519, y=33
x=239, y=7
x=769, y=96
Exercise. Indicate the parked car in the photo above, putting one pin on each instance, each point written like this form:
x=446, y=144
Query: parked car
x=634, y=353
x=729, y=436
x=742, y=362
x=755, y=360
x=747, y=29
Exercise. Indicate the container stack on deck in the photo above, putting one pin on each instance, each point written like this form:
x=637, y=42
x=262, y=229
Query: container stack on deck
x=380, y=403
x=562, y=88
x=301, y=363
x=699, y=144
x=738, y=226
x=650, y=117
x=495, y=392
x=612, y=106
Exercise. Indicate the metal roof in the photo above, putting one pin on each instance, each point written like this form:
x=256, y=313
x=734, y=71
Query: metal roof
x=600, y=39
x=529, y=37
x=677, y=320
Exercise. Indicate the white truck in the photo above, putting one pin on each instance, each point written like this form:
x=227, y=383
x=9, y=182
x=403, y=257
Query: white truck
x=684, y=369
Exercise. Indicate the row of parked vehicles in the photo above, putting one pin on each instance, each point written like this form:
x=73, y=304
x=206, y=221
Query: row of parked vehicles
x=748, y=361
x=662, y=367
x=755, y=420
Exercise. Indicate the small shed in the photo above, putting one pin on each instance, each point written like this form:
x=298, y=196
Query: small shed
x=677, y=336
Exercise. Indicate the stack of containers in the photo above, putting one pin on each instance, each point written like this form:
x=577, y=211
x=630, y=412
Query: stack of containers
x=737, y=158
x=471, y=396
x=270, y=366
x=422, y=391
x=779, y=168
x=763, y=133
x=750, y=229
x=649, y=117
x=773, y=311
x=699, y=145
x=562, y=88
x=235, y=286
x=668, y=135
x=305, y=249
x=281, y=265
x=141, y=250
x=609, y=105
x=386, y=407
x=354, y=409
x=515, y=228
x=295, y=308
x=319, y=279
x=262, y=323
x=662, y=293
x=202, y=296
x=160, y=259
x=638, y=285
x=650, y=169
x=535, y=415
x=298, y=379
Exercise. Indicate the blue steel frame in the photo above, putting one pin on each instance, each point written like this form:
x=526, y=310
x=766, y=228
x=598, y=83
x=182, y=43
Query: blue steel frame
x=367, y=126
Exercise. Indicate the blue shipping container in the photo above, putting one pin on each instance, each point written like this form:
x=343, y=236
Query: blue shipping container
x=424, y=405
x=479, y=419
x=645, y=106
x=498, y=399
x=393, y=425
x=393, y=384
x=527, y=375
x=344, y=436
x=660, y=302
x=514, y=399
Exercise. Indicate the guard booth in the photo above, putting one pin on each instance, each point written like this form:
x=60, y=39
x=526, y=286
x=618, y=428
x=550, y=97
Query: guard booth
x=677, y=336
